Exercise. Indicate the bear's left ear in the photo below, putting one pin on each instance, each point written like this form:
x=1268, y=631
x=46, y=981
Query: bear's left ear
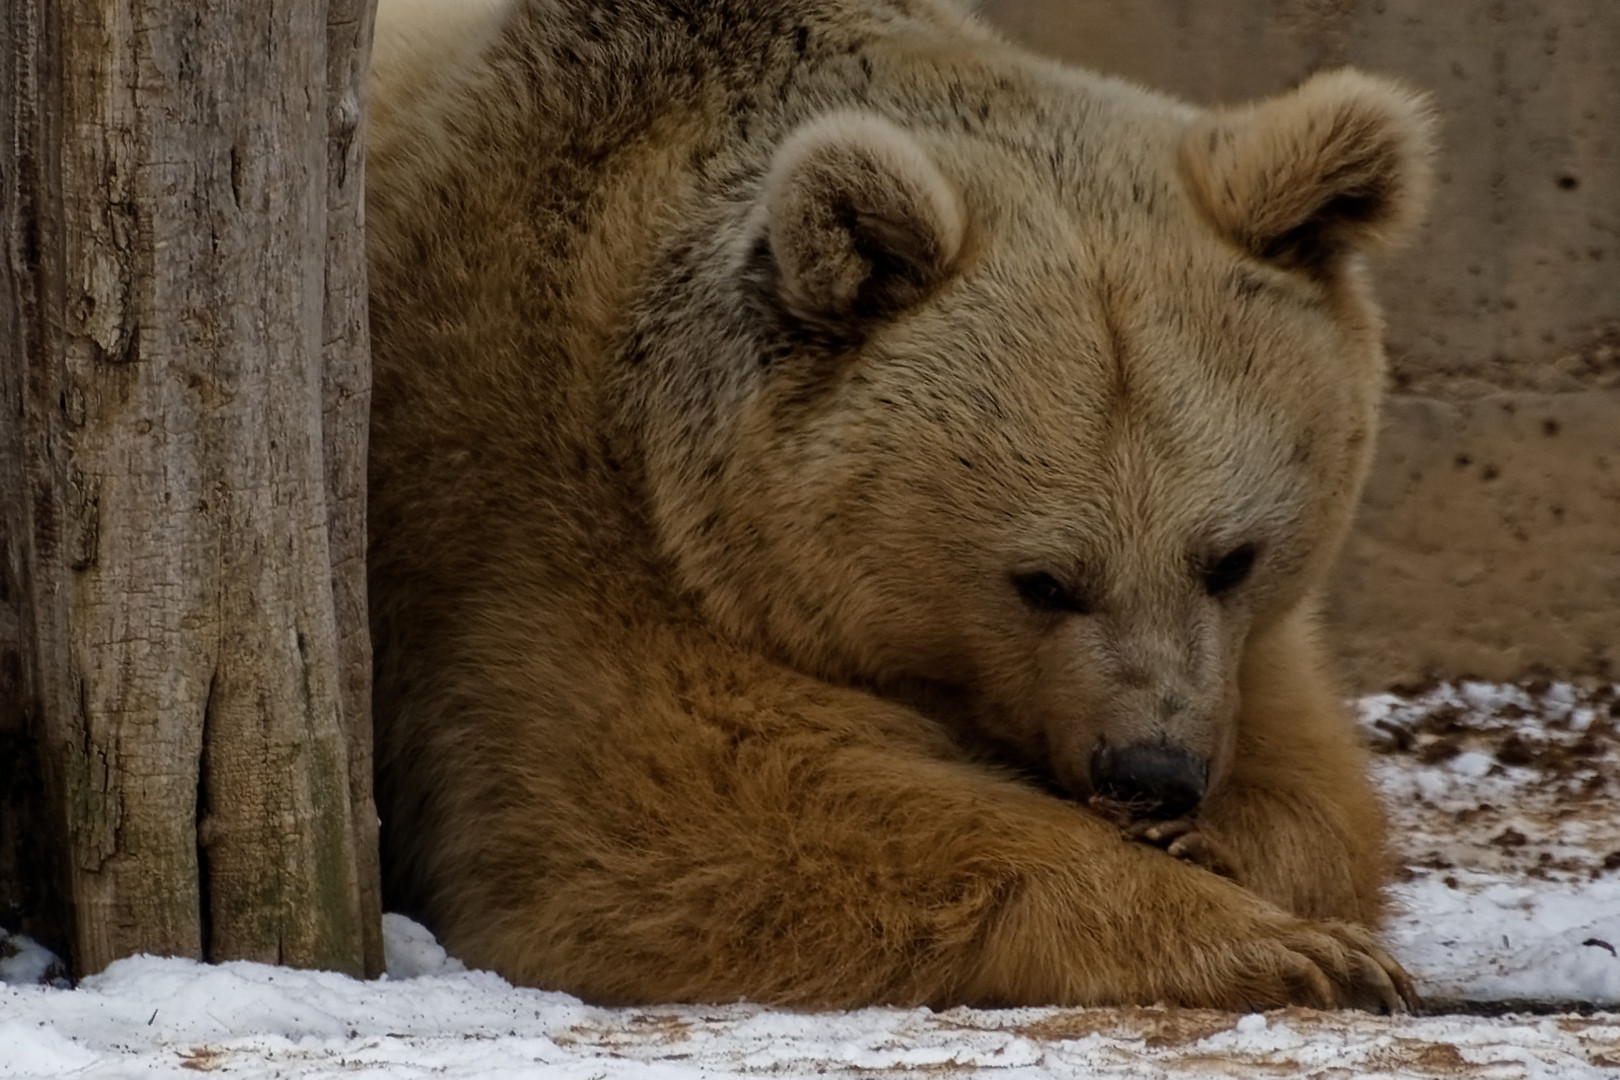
x=860, y=222
x=1343, y=163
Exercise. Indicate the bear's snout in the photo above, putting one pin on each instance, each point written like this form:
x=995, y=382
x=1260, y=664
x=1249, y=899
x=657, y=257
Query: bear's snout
x=1151, y=779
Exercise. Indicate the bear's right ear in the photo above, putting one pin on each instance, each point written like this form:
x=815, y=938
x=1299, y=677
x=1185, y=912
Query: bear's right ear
x=1340, y=164
x=860, y=222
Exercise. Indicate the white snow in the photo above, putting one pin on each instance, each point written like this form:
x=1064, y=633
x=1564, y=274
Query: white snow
x=1503, y=806
x=24, y=962
x=1487, y=939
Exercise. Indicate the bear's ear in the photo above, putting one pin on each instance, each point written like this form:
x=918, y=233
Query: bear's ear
x=860, y=222
x=1340, y=164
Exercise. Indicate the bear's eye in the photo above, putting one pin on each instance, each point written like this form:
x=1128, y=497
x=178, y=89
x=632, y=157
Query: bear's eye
x=1231, y=570
x=1043, y=592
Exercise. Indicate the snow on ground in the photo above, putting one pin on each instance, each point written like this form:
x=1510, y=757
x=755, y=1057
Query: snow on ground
x=1503, y=805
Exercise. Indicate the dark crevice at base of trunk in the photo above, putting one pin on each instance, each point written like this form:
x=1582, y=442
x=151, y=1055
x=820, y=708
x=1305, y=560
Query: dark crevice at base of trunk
x=205, y=827
x=32, y=874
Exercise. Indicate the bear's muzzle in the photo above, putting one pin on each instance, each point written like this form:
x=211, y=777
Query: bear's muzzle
x=1151, y=779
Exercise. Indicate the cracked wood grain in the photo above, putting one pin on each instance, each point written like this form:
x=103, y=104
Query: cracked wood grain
x=184, y=375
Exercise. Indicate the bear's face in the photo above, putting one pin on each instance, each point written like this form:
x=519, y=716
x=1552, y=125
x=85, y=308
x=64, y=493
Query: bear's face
x=1039, y=456
x=1067, y=492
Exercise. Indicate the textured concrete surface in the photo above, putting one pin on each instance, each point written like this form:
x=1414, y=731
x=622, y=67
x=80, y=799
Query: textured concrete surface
x=1489, y=543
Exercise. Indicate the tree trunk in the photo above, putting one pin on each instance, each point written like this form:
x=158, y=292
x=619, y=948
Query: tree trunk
x=185, y=749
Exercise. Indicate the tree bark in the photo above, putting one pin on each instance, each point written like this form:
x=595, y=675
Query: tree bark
x=185, y=759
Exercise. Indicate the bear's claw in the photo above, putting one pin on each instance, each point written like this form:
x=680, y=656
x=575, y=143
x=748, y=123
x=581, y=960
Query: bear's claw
x=1324, y=965
x=1337, y=965
x=1183, y=839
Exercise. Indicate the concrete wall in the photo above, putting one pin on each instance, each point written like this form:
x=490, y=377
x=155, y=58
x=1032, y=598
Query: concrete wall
x=1489, y=541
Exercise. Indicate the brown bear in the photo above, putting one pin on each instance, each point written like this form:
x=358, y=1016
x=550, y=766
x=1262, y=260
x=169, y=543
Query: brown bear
x=848, y=499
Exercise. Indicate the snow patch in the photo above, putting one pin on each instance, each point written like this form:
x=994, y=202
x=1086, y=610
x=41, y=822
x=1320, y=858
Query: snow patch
x=409, y=950
x=25, y=962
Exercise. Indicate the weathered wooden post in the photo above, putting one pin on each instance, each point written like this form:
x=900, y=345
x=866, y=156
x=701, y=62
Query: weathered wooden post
x=185, y=751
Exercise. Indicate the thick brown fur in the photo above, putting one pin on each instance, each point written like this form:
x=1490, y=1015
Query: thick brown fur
x=804, y=432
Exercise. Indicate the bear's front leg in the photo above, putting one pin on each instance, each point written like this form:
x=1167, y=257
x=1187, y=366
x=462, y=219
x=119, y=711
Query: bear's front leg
x=729, y=830
x=1297, y=821
x=1160, y=930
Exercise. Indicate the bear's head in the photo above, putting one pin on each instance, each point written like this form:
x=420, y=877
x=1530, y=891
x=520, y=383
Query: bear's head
x=1035, y=424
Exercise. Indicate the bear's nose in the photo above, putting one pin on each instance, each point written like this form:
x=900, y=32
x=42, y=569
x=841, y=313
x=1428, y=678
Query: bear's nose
x=1152, y=779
